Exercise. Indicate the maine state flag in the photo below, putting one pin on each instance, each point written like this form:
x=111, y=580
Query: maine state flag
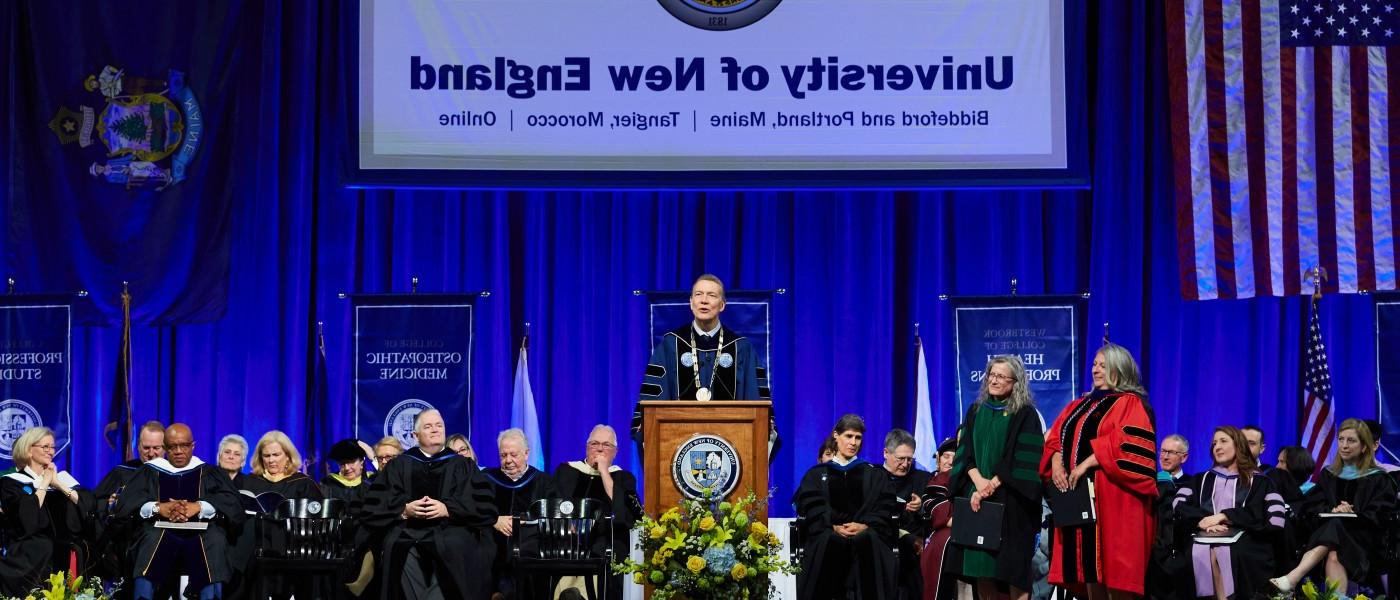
x=124, y=160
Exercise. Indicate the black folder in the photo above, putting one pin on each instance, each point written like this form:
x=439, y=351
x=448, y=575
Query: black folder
x=1074, y=507
x=981, y=529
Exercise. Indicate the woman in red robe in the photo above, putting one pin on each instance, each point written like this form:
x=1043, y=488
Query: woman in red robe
x=1106, y=436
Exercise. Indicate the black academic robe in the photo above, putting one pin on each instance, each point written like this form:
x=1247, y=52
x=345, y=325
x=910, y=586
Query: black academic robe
x=112, y=545
x=38, y=538
x=350, y=495
x=460, y=544
x=164, y=552
x=1167, y=571
x=515, y=498
x=832, y=494
x=576, y=480
x=1257, y=512
x=1295, y=532
x=1018, y=470
x=1356, y=540
x=112, y=484
x=296, y=485
x=913, y=528
x=738, y=376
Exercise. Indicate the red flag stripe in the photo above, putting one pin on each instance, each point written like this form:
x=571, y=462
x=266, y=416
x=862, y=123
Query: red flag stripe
x=1254, y=143
x=1292, y=273
x=1181, y=149
x=1219, y=150
x=1361, y=167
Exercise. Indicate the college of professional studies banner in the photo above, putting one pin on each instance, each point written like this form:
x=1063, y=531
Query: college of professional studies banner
x=686, y=85
x=1046, y=332
x=412, y=353
x=35, y=347
x=1388, y=372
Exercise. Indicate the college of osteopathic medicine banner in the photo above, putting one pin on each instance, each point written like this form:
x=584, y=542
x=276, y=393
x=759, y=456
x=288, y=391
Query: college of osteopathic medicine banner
x=712, y=84
x=411, y=354
x=35, y=347
x=1046, y=332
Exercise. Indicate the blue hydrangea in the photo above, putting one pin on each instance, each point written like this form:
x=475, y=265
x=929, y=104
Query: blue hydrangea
x=719, y=560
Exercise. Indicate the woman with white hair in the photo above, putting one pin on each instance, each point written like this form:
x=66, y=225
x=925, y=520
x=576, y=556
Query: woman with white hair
x=45, y=512
x=1106, y=438
x=233, y=454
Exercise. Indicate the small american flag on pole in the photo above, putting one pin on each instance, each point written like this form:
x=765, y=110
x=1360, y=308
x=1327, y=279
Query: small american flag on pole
x=1318, y=420
x=1283, y=115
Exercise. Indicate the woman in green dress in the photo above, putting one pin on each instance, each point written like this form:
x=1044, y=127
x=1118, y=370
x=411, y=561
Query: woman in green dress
x=998, y=460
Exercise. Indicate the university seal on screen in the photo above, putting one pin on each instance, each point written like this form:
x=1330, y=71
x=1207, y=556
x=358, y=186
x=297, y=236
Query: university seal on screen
x=705, y=462
x=149, y=129
x=719, y=15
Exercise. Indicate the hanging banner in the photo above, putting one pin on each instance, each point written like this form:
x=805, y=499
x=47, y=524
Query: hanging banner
x=35, y=348
x=748, y=313
x=1046, y=332
x=1388, y=372
x=412, y=353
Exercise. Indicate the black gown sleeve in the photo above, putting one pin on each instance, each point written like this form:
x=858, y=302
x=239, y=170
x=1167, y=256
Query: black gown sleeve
x=471, y=502
x=1019, y=467
x=1262, y=511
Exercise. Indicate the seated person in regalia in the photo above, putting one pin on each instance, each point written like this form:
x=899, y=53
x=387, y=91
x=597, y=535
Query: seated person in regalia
x=848, y=509
x=186, y=508
x=434, y=510
x=45, y=512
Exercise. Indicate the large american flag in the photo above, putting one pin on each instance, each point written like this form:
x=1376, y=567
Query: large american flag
x=1318, y=422
x=1281, y=134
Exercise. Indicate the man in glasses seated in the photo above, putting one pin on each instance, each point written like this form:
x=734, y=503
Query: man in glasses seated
x=1168, y=564
x=598, y=478
x=186, y=508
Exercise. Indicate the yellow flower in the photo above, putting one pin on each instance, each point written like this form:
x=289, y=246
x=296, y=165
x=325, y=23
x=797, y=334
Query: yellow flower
x=695, y=564
x=758, y=528
x=658, y=532
x=671, y=516
x=707, y=523
x=1309, y=590
x=772, y=539
x=739, y=571
x=638, y=578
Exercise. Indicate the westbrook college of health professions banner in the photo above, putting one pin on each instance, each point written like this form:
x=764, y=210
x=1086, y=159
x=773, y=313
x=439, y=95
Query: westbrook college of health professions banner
x=412, y=353
x=1047, y=332
x=34, y=368
x=1388, y=371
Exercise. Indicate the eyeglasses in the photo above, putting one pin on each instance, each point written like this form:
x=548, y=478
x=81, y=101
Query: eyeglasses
x=43, y=446
x=385, y=458
x=1000, y=377
x=902, y=459
x=598, y=444
x=185, y=446
x=1173, y=453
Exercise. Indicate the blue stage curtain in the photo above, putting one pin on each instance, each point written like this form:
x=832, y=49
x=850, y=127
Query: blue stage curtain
x=861, y=268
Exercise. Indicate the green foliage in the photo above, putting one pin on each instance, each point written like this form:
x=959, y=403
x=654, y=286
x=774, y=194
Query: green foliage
x=703, y=549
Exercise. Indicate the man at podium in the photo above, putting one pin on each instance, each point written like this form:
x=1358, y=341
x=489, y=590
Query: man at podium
x=702, y=360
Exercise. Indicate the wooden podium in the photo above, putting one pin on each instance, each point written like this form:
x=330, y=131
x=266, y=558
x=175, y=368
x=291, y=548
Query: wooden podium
x=667, y=424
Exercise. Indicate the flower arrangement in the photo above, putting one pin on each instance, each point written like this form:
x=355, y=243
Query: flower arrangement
x=705, y=549
x=62, y=586
x=1308, y=591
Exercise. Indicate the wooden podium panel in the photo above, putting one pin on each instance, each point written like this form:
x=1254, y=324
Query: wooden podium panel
x=667, y=424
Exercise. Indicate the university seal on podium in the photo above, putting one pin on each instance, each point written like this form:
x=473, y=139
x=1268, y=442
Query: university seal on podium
x=705, y=462
x=719, y=15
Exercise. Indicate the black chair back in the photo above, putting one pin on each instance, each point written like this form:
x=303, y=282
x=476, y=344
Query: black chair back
x=304, y=528
x=567, y=528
